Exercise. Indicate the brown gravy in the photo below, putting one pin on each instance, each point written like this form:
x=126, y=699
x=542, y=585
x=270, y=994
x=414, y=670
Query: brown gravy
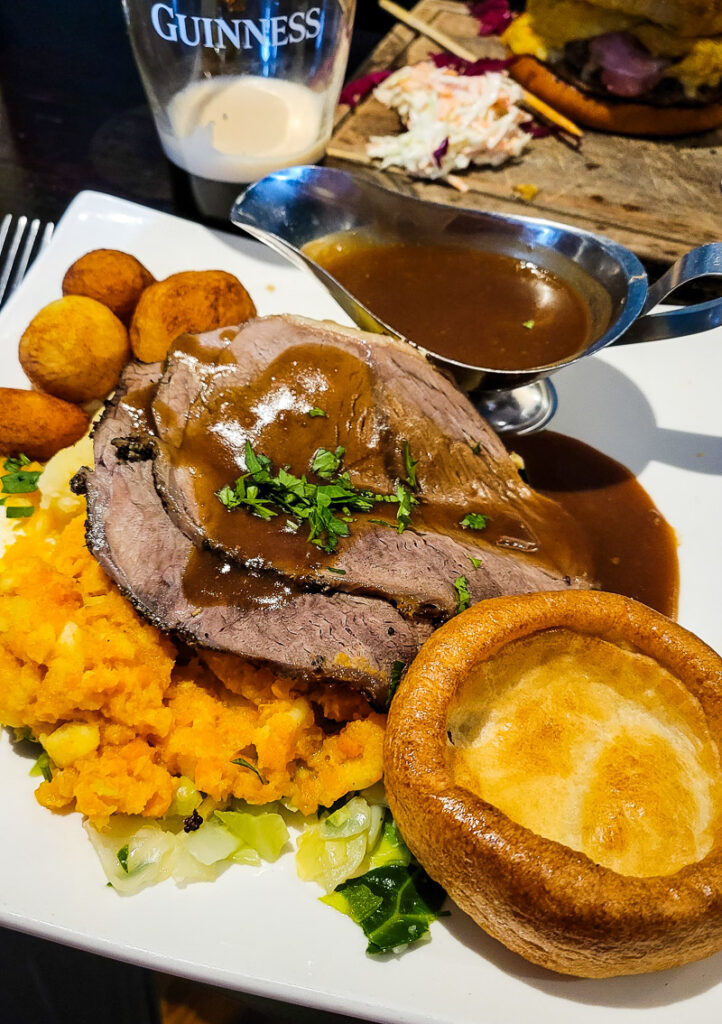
x=479, y=308
x=272, y=413
x=625, y=543
x=633, y=548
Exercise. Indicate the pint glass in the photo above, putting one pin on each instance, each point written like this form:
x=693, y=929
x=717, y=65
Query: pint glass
x=240, y=88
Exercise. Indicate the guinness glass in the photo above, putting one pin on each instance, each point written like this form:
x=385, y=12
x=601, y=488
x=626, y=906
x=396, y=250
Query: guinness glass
x=239, y=88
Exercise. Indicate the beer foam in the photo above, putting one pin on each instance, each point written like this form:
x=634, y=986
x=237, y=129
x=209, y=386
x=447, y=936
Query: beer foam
x=237, y=128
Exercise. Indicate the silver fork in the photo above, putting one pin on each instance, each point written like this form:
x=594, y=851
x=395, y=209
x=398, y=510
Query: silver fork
x=19, y=245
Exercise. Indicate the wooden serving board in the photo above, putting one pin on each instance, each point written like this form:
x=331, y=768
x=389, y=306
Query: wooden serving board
x=658, y=197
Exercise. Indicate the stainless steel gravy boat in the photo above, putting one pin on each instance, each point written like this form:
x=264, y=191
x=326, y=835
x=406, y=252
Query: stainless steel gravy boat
x=289, y=209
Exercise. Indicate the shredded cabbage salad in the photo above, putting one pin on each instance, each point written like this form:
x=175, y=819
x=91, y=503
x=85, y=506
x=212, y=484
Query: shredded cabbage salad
x=452, y=120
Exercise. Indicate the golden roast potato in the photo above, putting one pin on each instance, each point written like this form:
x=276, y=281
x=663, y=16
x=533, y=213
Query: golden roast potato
x=191, y=301
x=114, y=278
x=37, y=425
x=74, y=348
x=553, y=760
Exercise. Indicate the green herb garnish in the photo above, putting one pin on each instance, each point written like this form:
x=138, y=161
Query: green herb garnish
x=339, y=572
x=528, y=324
x=18, y=511
x=18, y=480
x=396, y=669
x=474, y=521
x=248, y=494
x=326, y=463
x=476, y=449
x=410, y=465
x=326, y=508
x=407, y=503
x=43, y=766
x=251, y=767
x=476, y=562
x=122, y=856
x=15, y=465
x=461, y=585
x=394, y=905
x=316, y=411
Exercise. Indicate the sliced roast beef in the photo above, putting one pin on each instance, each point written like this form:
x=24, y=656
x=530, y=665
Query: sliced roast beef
x=290, y=387
x=237, y=582
x=205, y=600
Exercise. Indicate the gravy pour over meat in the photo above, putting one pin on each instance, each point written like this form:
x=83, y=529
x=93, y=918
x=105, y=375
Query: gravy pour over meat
x=284, y=389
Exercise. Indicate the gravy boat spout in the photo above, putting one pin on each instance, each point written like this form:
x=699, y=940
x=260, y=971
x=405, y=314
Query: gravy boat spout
x=293, y=210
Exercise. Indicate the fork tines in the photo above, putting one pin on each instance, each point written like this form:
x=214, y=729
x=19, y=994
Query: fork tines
x=21, y=239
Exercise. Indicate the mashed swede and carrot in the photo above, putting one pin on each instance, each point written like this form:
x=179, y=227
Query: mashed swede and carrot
x=123, y=713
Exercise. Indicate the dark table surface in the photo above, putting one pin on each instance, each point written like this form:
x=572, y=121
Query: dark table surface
x=73, y=113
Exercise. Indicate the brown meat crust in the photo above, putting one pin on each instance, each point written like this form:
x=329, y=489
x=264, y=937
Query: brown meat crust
x=551, y=904
x=621, y=117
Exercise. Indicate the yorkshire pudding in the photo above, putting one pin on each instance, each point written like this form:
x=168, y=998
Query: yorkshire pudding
x=553, y=761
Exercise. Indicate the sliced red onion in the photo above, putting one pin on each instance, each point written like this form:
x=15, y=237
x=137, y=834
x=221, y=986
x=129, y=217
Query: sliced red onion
x=493, y=15
x=537, y=130
x=440, y=152
x=628, y=68
x=470, y=68
x=353, y=92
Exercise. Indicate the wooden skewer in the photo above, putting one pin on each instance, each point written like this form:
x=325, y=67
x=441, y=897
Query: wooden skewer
x=423, y=27
x=459, y=50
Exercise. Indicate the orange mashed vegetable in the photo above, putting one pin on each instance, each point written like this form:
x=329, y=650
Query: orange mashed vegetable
x=124, y=714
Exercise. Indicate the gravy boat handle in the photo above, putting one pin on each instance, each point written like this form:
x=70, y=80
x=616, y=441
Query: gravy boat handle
x=704, y=261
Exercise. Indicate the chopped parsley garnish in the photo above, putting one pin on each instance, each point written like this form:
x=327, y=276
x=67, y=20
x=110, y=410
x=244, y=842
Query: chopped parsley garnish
x=476, y=449
x=461, y=584
x=326, y=508
x=474, y=521
x=528, y=324
x=407, y=503
x=251, y=767
x=476, y=562
x=17, y=511
x=13, y=465
x=326, y=463
x=339, y=572
x=122, y=856
x=18, y=480
x=396, y=669
x=410, y=465
x=316, y=411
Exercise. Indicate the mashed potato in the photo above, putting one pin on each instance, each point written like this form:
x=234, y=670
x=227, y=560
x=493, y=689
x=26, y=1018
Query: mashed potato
x=122, y=714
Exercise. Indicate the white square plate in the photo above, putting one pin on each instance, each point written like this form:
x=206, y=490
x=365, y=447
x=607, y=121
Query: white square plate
x=656, y=409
